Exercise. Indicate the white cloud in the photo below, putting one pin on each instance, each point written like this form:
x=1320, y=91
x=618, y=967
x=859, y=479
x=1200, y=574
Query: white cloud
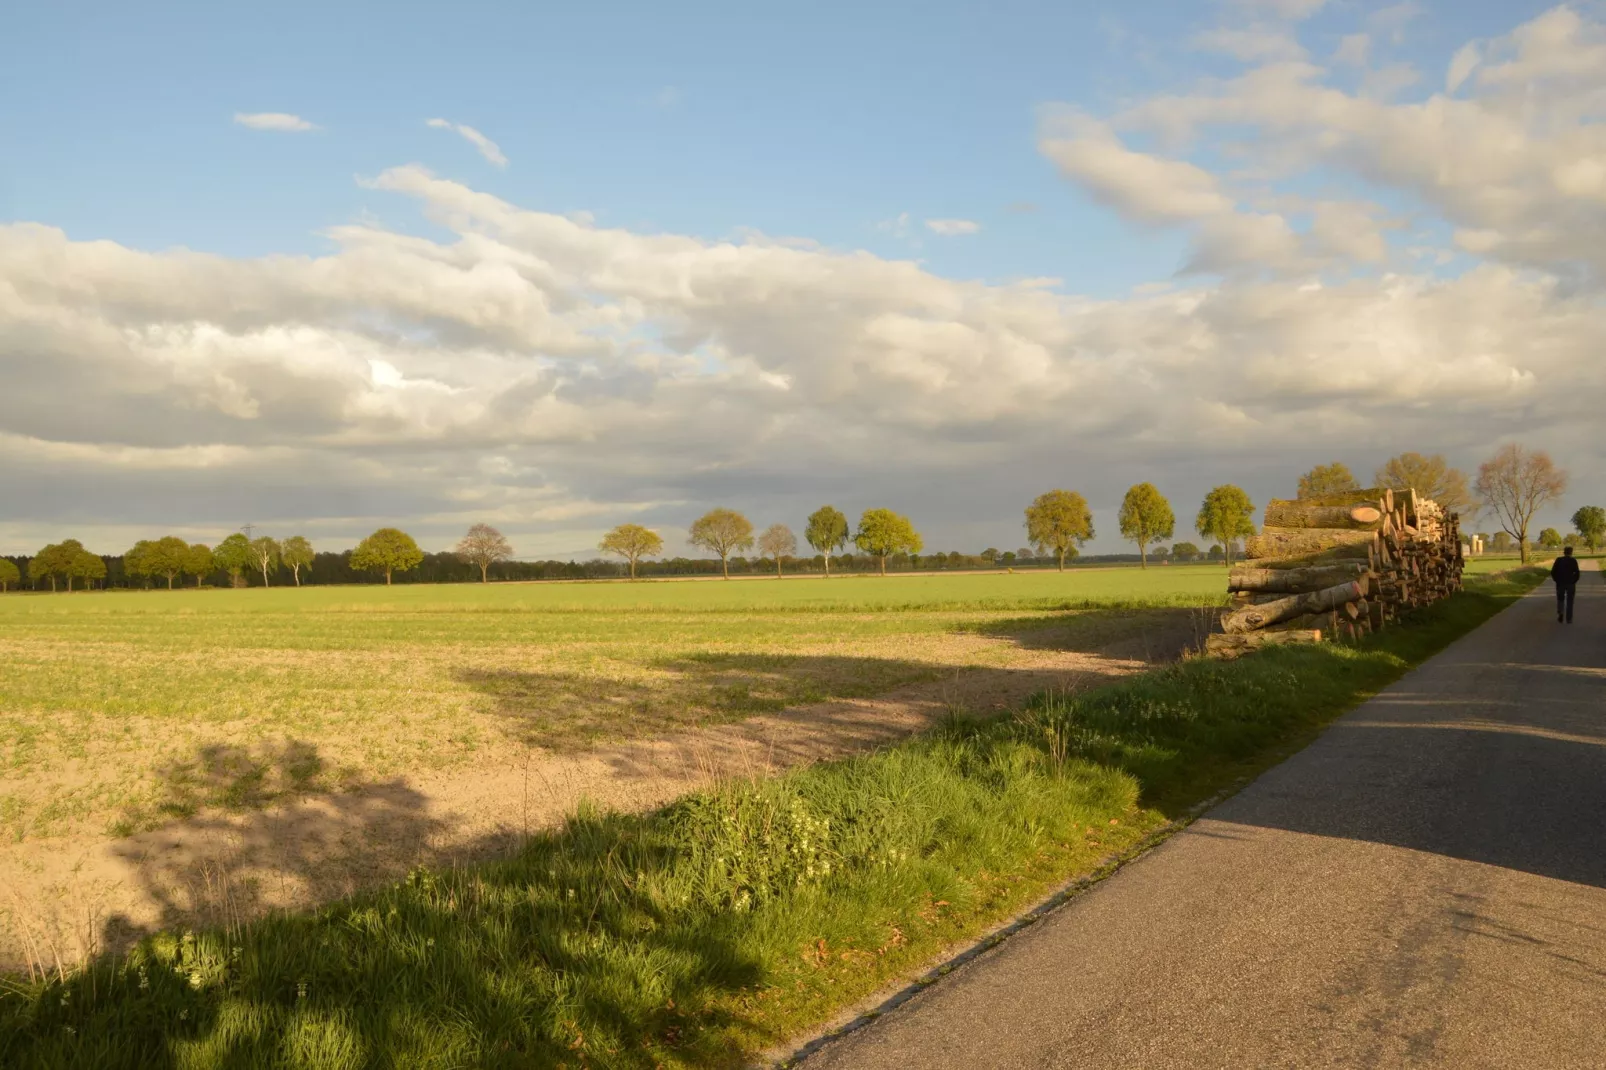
x=551, y=374
x=949, y=228
x=273, y=120
x=487, y=148
x=1292, y=10
x=1250, y=44
x=1462, y=64
x=1353, y=50
x=1148, y=188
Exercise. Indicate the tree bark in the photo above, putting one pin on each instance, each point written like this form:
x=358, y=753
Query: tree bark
x=828, y=564
x=1281, y=513
x=1293, y=542
x=1230, y=646
x=1291, y=580
x=1143, y=555
x=725, y=565
x=387, y=577
x=883, y=564
x=485, y=571
x=1062, y=560
x=1253, y=618
x=778, y=567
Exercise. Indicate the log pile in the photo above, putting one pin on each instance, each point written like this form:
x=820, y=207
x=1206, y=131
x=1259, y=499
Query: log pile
x=1339, y=566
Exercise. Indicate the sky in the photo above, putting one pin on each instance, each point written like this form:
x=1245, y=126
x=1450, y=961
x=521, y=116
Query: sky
x=557, y=268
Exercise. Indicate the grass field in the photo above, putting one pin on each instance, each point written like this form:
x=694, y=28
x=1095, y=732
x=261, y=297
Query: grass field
x=699, y=934
x=119, y=711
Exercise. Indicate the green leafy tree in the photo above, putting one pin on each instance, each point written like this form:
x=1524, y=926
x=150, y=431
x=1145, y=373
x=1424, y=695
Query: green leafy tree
x=990, y=555
x=1431, y=477
x=883, y=533
x=827, y=532
x=1502, y=543
x=199, y=562
x=777, y=542
x=86, y=567
x=166, y=557
x=1590, y=523
x=1327, y=479
x=68, y=560
x=484, y=546
x=632, y=542
x=1057, y=522
x=1226, y=514
x=1146, y=517
x=723, y=532
x=264, y=556
x=233, y=555
x=296, y=552
x=387, y=550
x=1023, y=554
x=1550, y=539
x=10, y=575
x=137, y=560
x=1185, y=551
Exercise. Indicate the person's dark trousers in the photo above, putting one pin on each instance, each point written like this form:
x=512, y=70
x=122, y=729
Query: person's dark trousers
x=1564, y=601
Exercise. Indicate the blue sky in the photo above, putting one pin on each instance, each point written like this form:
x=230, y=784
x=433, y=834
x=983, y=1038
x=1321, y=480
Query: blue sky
x=691, y=118
x=714, y=121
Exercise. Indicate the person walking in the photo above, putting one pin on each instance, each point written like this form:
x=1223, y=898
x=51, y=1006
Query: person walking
x=1565, y=574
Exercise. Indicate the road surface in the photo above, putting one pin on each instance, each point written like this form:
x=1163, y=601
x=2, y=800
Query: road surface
x=1425, y=885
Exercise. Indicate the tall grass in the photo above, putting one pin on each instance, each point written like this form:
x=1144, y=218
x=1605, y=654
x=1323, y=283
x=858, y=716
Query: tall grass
x=738, y=916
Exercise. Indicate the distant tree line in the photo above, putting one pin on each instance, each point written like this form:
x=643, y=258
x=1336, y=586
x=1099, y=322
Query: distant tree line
x=1515, y=484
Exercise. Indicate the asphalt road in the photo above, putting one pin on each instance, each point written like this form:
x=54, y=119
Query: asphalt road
x=1425, y=885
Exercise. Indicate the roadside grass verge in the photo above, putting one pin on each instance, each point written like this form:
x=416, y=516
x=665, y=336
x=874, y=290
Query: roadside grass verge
x=707, y=931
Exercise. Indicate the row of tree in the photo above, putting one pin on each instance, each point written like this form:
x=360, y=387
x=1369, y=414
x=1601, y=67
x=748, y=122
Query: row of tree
x=1514, y=485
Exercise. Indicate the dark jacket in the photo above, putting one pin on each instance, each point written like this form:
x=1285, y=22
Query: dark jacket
x=1565, y=571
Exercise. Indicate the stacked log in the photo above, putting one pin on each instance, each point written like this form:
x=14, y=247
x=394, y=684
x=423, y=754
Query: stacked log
x=1339, y=566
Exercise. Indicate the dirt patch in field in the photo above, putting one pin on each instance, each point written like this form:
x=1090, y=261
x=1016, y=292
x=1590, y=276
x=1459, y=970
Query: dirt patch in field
x=67, y=896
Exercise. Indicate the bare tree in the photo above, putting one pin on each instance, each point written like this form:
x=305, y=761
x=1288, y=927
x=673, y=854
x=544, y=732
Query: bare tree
x=1516, y=483
x=483, y=546
x=777, y=541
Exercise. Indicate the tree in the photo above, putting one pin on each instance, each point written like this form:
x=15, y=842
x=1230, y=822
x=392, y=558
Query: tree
x=1550, y=539
x=1146, y=517
x=1516, y=483
x=723, y=531
x=1590, y=522
x=10, y=575
x=990, y=555
x=1185, y=551
x=54, y=560
x=777, y=542
x=264, y=555
x=387, y=550
x=1431, y=477
x=827, y=531
x=1057, y=522
x=233, y=555
x=883, y=533
x=1226, y=514
x=632, y=542
x=297, y=553
x=198, y=562
x=87, y=567
x=166, y=557
x=136, y=560
x=1501, y=543
x=484, y=546
x=1023, y=554
x=1327, y=479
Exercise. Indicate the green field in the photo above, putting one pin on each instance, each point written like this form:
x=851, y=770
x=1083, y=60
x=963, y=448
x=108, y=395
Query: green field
x=118, y=709
x=698, y=935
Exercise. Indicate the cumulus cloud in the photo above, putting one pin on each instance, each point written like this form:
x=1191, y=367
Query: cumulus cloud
x=950, y=228
x=486, y=147
x=273, y=120
x=555, y=376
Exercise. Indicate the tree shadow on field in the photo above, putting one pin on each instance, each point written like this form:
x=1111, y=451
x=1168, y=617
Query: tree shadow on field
x=246, y=831
x=573, y=949
x=1153, y=636
x=570, y=711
